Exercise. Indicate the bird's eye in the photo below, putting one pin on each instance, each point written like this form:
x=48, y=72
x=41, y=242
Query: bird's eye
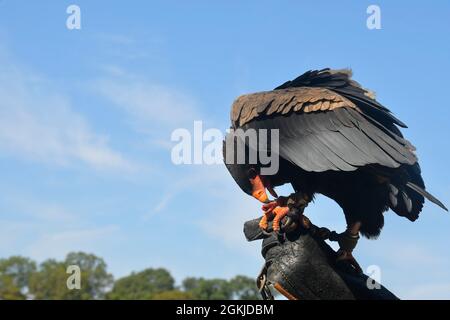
x=252, y=173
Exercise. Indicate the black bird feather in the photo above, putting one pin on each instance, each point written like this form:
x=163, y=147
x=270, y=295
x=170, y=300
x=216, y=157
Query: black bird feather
x=336, y=139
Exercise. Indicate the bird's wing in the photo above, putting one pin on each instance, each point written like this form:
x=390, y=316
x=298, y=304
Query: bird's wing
x=285, y=101
x=322, y=130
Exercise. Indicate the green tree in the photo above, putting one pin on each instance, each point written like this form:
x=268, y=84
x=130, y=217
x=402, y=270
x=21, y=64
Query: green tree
x=95, y=280
x=50, y=281
x=173, y=295
x=240, y=288
x=244, y=288
x=142, y=285
x=21, y=279
x=9, y=290
x=208, y=289
x=19, y=269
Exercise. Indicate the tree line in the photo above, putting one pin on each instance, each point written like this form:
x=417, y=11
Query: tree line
x=23, y=278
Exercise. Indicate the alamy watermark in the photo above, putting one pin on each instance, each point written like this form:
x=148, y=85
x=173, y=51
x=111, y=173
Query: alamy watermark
x=248, y=146
x=74, y=280
x=373, y=21
x=73, y=21
x=374, y=280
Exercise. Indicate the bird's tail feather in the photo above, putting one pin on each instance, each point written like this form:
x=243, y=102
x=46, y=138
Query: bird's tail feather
x=407, y=200
x=426, y=194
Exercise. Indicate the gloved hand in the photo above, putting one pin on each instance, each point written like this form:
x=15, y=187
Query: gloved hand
x=303, y=266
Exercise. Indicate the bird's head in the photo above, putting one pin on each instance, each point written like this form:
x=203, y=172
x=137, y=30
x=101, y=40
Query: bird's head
x=259, y=184
x=250, y=180
x=247, y=175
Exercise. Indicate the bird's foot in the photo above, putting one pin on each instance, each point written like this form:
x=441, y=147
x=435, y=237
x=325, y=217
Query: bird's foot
x=264, y=222
x=290, y=207
x=274, y=212
x=280, y=213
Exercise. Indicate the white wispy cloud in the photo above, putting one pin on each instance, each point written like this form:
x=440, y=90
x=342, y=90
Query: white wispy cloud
x=232, y=208
x=38, y=123
x=149, y=106
x=114, y=38
x=160, y=205
x=48, y=213
x=44, y=229
x=399, y=253
x=429, y=291
x=13, y=234
x=58, y=244
x=226, y=224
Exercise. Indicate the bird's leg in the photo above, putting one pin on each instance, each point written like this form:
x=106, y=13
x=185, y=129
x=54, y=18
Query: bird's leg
x=347, y=242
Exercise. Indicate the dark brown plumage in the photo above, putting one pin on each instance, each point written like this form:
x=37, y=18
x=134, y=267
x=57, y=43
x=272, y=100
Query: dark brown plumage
x=337, y=140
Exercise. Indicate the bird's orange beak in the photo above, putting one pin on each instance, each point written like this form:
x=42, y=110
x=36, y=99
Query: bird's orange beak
x=259, y=186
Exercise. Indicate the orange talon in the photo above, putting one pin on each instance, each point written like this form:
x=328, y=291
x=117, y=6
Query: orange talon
x=267, y=208
x=280, y=213
x=263, y=224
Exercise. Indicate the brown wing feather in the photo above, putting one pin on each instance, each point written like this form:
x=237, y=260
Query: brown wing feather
x=284, y=101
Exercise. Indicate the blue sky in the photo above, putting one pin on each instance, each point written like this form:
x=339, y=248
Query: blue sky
x=86, y=117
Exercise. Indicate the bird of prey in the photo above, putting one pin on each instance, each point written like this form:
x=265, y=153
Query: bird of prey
x=335, y=139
